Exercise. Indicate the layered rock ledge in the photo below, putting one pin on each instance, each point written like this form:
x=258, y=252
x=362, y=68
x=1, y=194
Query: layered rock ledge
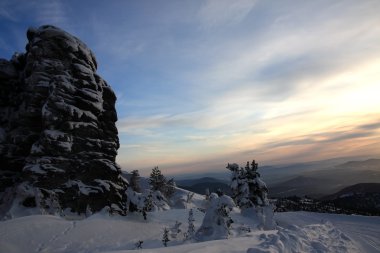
x=58, y=139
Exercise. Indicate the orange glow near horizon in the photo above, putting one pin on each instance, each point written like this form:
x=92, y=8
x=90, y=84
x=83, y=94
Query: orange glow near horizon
x=288, y=132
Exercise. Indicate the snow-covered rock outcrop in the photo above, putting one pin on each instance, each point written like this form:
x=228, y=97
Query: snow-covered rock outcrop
x=58, y=137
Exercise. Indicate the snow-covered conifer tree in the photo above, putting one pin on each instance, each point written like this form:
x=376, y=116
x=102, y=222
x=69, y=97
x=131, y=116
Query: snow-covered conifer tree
x=239, y=186
x=244, y=201
x=216, y=223
x=258, y=195
x=157, y=181
x=161, y=189
x=234, y=168
x=246, y=185
x=257, y=188
x=250, y=193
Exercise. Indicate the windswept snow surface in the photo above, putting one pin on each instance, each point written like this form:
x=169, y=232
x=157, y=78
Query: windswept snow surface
x=297, y=232
x=363, y=230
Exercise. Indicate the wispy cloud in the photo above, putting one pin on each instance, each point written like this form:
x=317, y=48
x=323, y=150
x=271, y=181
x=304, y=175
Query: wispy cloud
x=3, y=45
x=52, y=12
x=38, y=12
x=118, y=44
x=6, y=14
x=137, y=124
x=214, y=13
x=333, y=136
x=370, y=126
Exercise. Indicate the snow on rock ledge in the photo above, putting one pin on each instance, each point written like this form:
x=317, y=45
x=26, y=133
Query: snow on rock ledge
x=57, y=125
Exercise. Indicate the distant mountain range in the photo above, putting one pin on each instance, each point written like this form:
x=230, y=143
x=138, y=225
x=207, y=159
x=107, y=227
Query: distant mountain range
x=301, y=186
x=320, y=182
x=200, y=185
x=363, y=199
x=359, y=198
x=315, y=179
x=357, y=189
x=190, y=182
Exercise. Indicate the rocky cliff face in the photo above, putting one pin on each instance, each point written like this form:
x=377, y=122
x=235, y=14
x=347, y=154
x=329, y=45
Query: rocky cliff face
x=58, y=139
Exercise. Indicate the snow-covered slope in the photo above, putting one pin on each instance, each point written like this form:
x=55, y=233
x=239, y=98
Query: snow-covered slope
x=297, y=232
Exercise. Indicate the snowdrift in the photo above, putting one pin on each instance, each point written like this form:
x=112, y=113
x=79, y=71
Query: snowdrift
x=297, y=232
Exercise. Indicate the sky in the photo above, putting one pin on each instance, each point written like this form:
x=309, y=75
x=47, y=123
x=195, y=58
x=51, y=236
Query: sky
x=203, y=83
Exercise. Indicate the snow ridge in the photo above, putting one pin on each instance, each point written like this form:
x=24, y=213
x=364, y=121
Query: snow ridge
x=102, y=233
x=311, y=238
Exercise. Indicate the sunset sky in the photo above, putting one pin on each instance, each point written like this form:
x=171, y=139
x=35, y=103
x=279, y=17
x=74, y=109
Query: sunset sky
x=203, y=83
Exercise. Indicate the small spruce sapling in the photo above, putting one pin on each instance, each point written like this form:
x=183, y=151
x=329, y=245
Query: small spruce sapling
x=138, y=244
x=219, y=192
x=52, y=203
x=189, y=197
x=175, y=230
x=191, y=229
x=165, y=237
x=170, y=188
x=148, y=204
x=88, y=211
x=207, y=193
x=47, y=201
x=135, y=178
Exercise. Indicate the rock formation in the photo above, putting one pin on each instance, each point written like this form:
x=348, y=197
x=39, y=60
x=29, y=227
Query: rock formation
x=58, y=139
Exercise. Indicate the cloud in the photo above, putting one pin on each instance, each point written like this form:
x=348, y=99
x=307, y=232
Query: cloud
x=6, y=14
x=214, y=13
x=332, y=137
x=275, y=62
x=117, y=44
x=349, y=136
x=332, y=142
x=370, y=126
x=52, y=12
x=4, y=45
x=36, y=11
x=138, y=124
